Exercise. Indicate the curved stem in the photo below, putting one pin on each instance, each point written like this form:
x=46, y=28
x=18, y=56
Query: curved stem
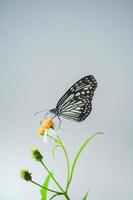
x=67, y=197
x=54, y=191
x=67, y=161
x=53, y=196
x=45, y=187
x=63, y=194
x=56, y=195
x=52, y=176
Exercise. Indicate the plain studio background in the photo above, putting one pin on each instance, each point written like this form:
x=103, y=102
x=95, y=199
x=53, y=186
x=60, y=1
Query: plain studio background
x=45, y=47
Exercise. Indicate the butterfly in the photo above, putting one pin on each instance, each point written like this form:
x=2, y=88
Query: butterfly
x=76, y=104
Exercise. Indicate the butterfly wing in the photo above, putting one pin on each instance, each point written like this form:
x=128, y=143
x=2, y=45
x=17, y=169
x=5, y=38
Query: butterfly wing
x=75, y=104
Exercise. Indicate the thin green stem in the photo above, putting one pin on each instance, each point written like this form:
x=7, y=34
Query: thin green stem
x=63, y=194
x=67, y=161
x=52, y=177
x=45, y=187
x=51, y=137
x=50, y=190
x=53, y=196
x=66, y=196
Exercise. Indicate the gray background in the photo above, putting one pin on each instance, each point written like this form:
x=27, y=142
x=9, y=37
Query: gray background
x=45, y=46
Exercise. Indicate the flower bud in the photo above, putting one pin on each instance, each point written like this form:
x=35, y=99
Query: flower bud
x=25, y=174
x=36, y=154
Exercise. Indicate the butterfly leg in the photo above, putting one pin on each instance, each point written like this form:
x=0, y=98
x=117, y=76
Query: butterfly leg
x=60, y=122
x=46, y=115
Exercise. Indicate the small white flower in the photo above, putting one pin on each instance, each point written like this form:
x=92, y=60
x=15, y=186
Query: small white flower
x=50, y=132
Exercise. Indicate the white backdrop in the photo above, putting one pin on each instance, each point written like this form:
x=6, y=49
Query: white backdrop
x=45, y=46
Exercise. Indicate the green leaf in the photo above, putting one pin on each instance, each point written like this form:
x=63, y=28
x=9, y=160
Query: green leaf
x=85, y=197
x=80, y=151
x=43, y=191
x=53, y=150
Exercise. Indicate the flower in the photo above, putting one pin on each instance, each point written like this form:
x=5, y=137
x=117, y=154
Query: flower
x=36, y=154
x=25, y=174
x=46, y=124
x=47, y=129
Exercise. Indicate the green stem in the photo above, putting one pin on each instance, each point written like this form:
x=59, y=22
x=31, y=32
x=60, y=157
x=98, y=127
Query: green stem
x=52, y=176
x=67, y=161
x=51, y=137
x=63, y=194
x=45, y=187
x=53, y=196
x=67, y=197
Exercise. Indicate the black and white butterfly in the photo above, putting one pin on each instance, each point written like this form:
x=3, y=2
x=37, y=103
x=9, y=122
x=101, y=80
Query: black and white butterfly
x=76, y=104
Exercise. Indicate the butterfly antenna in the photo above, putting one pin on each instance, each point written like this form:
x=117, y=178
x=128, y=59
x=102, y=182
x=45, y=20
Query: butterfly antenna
x=40, y=112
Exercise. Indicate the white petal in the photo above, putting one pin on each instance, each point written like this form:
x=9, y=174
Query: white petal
x=52, y=132
x=45, y=139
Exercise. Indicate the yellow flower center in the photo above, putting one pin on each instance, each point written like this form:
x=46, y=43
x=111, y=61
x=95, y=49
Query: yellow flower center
x=45, y=125
x=40, y=131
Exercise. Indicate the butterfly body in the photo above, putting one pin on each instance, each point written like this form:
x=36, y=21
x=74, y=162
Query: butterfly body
x=54, y=111
x=76, y=104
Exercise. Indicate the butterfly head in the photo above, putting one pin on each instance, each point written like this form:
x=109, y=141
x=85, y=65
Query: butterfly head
x=53, y=111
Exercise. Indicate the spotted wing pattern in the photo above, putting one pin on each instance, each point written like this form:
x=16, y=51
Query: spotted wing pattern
x=76, y=104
